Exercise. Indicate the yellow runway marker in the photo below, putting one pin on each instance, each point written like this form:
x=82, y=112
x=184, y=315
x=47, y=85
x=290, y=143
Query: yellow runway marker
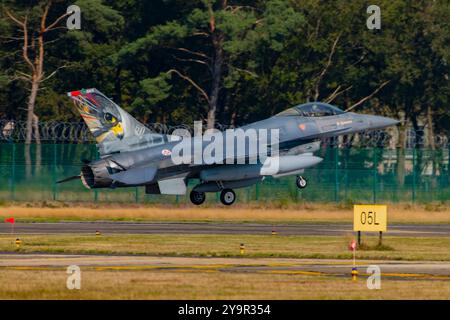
x=416, y=275
x=33, y=268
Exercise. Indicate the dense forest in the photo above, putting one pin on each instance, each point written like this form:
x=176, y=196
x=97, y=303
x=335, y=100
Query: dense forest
x=229, y=62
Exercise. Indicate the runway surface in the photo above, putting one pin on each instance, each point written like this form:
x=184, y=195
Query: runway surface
x=404, y=270
x=312, y=267
x=306, y=229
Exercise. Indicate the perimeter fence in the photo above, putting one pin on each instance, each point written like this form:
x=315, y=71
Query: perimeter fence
x=347, y=175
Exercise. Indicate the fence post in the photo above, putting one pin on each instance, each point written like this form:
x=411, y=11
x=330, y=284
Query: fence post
x=374, y=186
x=13, y=173
x=97, y=153
x=413, y=193
x=54, y=171
x=336, y=174
x=346, y=183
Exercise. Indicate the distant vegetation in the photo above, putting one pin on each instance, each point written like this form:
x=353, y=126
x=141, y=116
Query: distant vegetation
x=231, y=62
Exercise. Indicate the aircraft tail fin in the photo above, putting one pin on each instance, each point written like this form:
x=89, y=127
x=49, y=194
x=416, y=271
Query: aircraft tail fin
x=114, y=129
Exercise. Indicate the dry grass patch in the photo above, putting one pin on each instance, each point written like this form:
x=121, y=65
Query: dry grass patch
x=255, y=213
x=200, y=285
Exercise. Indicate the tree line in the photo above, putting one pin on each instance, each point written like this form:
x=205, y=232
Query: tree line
x=229, y=62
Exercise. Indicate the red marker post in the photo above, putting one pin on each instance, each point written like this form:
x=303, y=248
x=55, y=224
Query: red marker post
x=11, y=221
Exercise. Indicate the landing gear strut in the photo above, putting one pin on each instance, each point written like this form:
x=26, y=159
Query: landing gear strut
x=301, y=182
x=227, y=197
x=197, y=198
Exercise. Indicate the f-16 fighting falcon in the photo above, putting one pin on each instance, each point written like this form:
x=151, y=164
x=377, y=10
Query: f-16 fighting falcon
x=132, y=155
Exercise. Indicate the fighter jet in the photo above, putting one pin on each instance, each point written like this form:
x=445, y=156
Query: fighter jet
x=132, y=155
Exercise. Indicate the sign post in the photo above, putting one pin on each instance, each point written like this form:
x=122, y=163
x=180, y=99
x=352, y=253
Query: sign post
x=370, y=218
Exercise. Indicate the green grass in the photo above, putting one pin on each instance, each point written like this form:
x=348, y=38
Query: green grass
x=394, y=248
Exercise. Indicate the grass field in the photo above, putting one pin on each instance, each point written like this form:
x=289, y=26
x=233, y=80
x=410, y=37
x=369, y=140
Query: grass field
x=110, y=283
x=395, y=248
x=57, y=211
x=150, y=284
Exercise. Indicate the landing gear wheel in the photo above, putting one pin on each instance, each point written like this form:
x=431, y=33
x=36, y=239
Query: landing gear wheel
x=197, y=198
x=227, y=197
x=301, y=182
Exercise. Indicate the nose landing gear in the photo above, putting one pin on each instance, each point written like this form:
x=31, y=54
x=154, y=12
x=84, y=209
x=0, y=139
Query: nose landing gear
x=301, y=182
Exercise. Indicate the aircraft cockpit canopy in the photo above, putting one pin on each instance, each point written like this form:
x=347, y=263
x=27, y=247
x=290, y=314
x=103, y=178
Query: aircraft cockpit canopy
x=312, y=109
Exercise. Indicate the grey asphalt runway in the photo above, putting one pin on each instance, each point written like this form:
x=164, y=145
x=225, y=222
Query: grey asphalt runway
x=109, y=227
x=314, y=267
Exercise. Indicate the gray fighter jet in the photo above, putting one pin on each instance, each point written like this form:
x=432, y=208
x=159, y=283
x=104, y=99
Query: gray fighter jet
x=132, y=155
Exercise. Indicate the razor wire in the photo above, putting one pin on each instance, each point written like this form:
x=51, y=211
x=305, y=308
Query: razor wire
x=78, y=132
x=65, y=132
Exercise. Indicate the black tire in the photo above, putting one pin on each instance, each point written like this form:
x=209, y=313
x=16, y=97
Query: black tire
x=227, y=197
x=197, y=198
x=301, y=182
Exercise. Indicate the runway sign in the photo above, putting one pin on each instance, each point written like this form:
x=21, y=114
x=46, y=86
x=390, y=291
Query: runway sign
x=370, y=217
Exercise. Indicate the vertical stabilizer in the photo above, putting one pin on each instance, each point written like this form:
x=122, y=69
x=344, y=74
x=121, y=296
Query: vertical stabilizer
x=114, y=129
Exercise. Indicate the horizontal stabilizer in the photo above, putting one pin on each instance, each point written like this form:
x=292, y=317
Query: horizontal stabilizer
x=69, y=179
x=135, y=176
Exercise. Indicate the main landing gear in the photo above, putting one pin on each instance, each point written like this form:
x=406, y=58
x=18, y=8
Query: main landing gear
x=227, y=197
x=197, y=198
x=301, y=182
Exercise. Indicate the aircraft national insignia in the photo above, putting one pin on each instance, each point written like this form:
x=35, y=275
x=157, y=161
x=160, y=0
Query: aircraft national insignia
x=166, y=152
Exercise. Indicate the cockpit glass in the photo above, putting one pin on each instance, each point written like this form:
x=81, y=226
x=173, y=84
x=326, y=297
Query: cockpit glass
x=312, y=109
x=289, y=112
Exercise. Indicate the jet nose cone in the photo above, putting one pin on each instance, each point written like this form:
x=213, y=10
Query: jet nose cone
x=377, y=122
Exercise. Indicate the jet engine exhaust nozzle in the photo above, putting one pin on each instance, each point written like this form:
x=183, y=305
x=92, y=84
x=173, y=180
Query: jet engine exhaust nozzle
x=95, y=176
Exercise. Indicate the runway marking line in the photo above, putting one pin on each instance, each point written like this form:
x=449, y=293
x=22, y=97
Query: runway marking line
x=216, y=268
x=32, y=268
x=305, y=273
x=415, y=275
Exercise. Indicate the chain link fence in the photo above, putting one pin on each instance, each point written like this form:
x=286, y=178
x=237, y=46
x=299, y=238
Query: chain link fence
x=347, y=175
